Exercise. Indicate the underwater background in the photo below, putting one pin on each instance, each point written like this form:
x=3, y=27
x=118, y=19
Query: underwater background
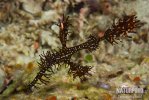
x=28, y=28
